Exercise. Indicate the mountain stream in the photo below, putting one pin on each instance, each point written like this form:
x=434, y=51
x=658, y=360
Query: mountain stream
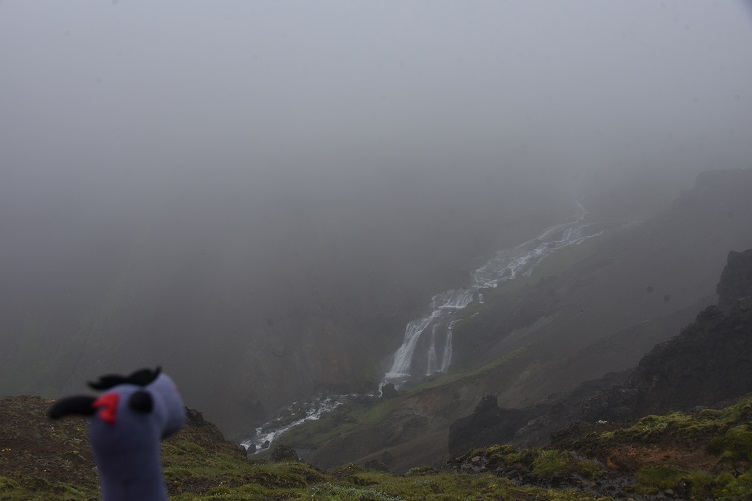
x=419, y=357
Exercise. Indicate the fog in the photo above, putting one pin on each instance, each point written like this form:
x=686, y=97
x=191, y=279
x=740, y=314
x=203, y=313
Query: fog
x=200, y=183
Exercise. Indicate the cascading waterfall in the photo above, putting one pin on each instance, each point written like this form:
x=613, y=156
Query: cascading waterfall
x=444, y=306
x=403, y=357
x=506, y=265
x=432, y=352
x=447, y=359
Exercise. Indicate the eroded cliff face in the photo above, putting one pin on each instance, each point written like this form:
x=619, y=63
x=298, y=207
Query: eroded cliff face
x=736, y=280
x=708, y=363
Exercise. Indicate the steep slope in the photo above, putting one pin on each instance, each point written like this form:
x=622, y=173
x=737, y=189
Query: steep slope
x=700, y=455
x=42, y=461
x=594, y=308
x=653, y=269
x=709, y=362
x=696, y=455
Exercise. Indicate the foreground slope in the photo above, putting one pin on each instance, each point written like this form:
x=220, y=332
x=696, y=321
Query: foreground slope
x=700, y=455
x=45, y=460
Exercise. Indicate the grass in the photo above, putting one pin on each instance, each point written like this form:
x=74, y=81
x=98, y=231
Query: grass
x=40, y=460
x=543, y=463
x=729, y=426
x=340, y=421
x=452, y=377
x=359, y=416
x=721, y=433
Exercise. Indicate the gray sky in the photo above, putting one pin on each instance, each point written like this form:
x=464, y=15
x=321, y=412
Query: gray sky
x=116, y=113
x=109, y=109
x=241, y=175
x=95, y=88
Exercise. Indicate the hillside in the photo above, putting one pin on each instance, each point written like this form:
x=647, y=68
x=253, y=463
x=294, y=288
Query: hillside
x=706, y=364
x=280, y=290
x=594, y=308
x=702, y=455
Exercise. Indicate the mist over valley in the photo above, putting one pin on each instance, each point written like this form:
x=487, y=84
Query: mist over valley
x=284, y=201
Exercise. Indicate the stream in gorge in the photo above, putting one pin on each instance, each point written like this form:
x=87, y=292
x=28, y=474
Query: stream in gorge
x=427, y=345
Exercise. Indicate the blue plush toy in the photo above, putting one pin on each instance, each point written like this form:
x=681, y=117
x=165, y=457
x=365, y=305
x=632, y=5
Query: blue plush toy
x=128, y=422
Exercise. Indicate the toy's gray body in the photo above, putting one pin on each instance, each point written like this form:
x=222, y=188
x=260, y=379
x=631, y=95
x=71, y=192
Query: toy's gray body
x=127, y=425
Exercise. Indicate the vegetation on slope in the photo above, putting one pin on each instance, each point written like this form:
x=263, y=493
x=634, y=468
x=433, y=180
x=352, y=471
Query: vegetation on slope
x=45, y=460
x=700, y=455
x=705, y=454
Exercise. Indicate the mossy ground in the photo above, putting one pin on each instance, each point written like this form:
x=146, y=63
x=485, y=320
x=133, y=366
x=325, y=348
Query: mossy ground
x=45, y=460
x=707, y=454
x=360, y=415
x=543, y=463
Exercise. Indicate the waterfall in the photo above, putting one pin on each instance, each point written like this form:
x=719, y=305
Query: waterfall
x=447, y=359
x=404, y=356
x=431, y=364
x=505, y=265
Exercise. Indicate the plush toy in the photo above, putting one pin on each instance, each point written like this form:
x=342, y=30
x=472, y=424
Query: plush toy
x=128, y=422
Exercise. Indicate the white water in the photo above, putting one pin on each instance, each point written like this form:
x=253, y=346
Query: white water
x=447, y=359
x=432, y=362
x=506, y=265
x=312, y=410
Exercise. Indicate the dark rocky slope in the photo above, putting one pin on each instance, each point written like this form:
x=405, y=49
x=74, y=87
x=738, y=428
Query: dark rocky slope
x=709, y=362
x=593, y=308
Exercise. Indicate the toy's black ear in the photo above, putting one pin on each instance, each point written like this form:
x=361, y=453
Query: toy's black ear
x=141, y=402
x=79, y=404
x=142, y=377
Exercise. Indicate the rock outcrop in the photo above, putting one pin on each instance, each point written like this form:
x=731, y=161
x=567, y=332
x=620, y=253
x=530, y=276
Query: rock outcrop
x=736, y=280
x=489, y=424
x=708, y=363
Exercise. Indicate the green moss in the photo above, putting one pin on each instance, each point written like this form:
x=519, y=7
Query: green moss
x=499, y=454
x=341, y=421
x=692, y=427
x=7, y=484
x=340, y=493
x=419, y=471
x=525, y=457
x=543, y=463
x=701, y=482
x=362, y=416
x=199, y=468
x=554, y=462
x=735, y=445
x=730, y=487
x=651, y=479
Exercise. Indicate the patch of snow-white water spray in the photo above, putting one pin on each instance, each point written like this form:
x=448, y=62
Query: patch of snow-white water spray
x=505, y=265
x=294, y=415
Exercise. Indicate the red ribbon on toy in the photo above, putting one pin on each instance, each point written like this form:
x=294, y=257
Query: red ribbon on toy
x=108, y=403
